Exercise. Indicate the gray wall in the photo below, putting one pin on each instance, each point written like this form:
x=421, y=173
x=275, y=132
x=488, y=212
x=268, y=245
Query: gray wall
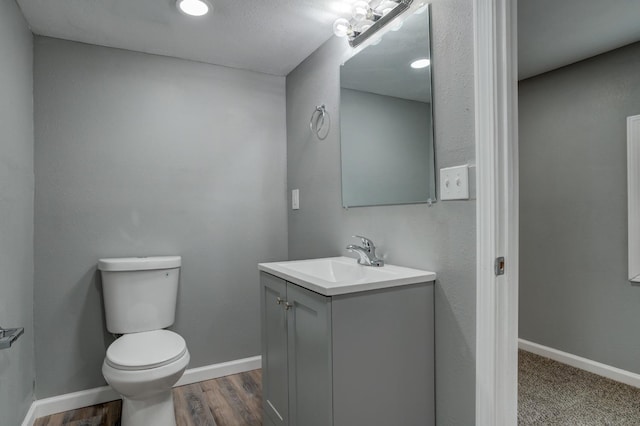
x=16, y=211
x=440, y=238
x=140, y=155
x=386, y=150
x=574, y=293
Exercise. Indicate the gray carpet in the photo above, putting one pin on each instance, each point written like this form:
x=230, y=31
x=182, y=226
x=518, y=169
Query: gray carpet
x=551, y=393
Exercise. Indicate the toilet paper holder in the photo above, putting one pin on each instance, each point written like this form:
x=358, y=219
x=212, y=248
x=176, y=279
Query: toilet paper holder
x=9, y=335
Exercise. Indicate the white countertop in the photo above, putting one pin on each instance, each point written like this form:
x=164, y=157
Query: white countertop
x=333, y=276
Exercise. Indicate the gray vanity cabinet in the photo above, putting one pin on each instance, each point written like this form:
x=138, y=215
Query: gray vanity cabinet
x=275, y=389
x=296, y=354
x=309, y=357
x=359, y=359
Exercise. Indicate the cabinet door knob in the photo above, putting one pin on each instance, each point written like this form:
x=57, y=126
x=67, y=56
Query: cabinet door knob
x=287, y=306
x=280, y=301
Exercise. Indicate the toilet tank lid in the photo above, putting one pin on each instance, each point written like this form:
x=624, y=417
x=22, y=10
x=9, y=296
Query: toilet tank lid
x=139, y=263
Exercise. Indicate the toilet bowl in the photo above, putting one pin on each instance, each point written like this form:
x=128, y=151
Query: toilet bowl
x=145, y=362
x=143, y=367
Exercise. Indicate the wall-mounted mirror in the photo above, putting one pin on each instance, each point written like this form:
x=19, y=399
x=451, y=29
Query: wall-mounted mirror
x=386, y=121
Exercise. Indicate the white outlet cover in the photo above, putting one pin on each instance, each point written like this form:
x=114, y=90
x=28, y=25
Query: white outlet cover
x=454, y=183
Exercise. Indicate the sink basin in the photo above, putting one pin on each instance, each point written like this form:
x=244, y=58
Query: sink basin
x=337, y=270
x=342, y=275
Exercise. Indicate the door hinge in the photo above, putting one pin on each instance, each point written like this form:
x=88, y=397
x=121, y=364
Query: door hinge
x=499, y=265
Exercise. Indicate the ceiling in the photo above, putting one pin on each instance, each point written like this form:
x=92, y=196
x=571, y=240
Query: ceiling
x=269, y=36
x=555, y=33
x=274, y=36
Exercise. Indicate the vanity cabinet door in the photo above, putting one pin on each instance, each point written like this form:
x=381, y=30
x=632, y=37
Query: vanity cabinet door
x=275, y=394
x=309, y=342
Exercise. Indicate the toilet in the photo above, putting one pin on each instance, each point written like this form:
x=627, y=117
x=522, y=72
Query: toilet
x=144, y=363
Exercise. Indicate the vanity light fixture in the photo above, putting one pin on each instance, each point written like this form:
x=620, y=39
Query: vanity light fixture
x=194, y=7
x=366, y=20
x=420, y=63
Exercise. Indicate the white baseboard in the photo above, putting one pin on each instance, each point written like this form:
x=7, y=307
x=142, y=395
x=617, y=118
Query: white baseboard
x=74, y=400
x=213, y=371
x=594, y=367
x=85, y=398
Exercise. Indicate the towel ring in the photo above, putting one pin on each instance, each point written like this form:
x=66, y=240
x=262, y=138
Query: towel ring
x=320, y=122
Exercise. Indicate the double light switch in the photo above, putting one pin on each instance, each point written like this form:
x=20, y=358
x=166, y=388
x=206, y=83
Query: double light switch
x=454, y=183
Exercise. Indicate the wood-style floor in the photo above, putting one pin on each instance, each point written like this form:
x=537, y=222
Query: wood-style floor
x=228, y=401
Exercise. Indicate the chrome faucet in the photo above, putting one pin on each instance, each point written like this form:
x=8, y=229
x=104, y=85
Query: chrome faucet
x=367, y=252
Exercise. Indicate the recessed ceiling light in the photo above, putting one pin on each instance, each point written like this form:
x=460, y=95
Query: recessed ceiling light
x=194, y=7
x=420, y=63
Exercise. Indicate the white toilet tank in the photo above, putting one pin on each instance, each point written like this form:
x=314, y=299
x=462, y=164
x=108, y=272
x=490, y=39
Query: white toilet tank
x=140, y=293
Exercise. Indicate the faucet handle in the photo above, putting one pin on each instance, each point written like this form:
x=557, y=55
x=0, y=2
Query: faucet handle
x=366, y=243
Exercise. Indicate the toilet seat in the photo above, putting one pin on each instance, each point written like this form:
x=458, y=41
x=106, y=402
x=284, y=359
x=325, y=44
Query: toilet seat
x=145, y=350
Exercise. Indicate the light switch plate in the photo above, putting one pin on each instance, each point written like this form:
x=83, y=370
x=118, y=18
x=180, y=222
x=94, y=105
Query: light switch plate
x=454, y=183
x=295, y=199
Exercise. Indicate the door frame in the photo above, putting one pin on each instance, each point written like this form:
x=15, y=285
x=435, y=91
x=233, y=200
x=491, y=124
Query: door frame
x=496, y=132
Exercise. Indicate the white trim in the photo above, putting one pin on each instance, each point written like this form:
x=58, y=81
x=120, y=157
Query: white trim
x=604, y=370
x=633, y=197
x=213, y=371
x=495, y=72
x=85, y=398
x=30, y=417
x=74, y=400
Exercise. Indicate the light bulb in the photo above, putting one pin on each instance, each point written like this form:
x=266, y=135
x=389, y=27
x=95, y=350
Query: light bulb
x=193, y=7
x=420, y=63
x=341, y=27
x=360, y=10
x=387, y=6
